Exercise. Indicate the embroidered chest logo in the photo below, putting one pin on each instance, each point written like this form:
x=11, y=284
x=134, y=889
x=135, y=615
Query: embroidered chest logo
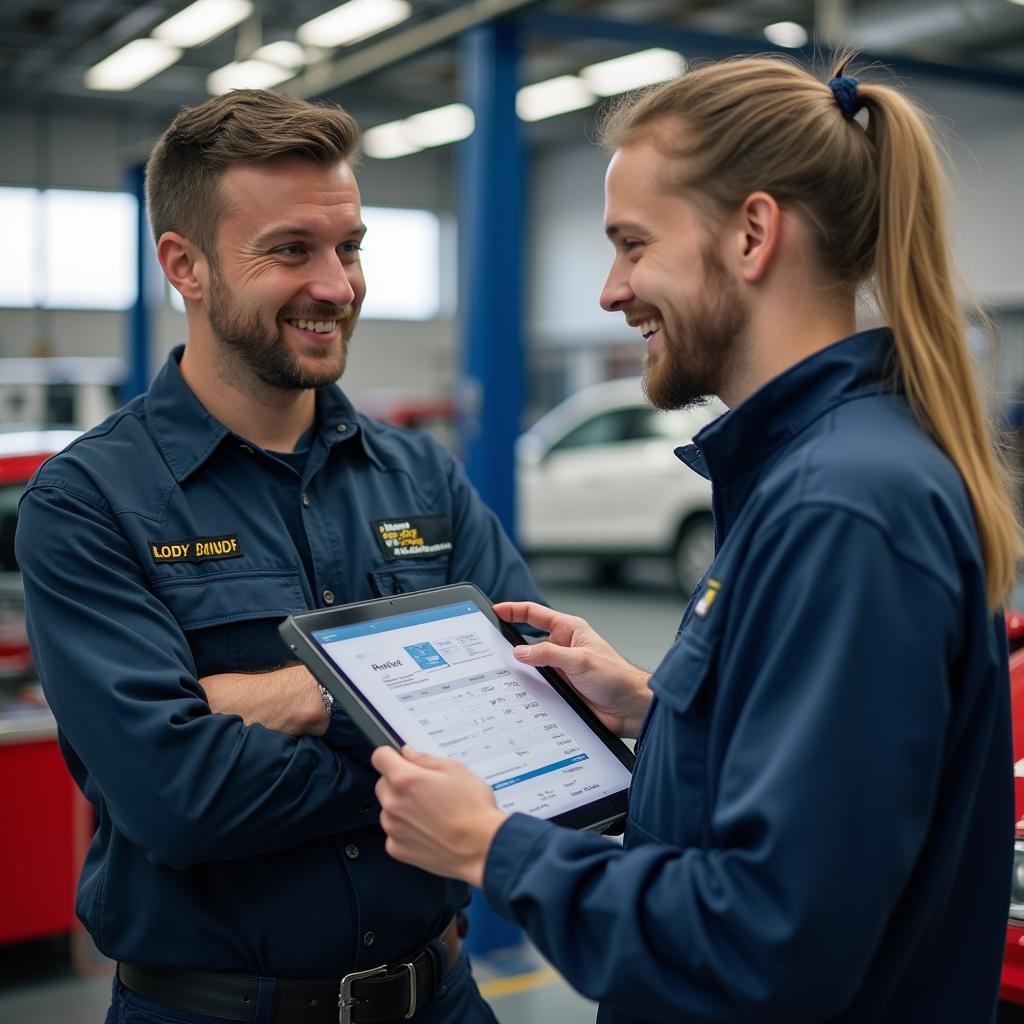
x=196, y=549
x=413, y=536
x=703, y=607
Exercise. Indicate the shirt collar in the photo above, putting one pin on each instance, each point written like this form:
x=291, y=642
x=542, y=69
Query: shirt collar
x=746, y=435
x=187, y=433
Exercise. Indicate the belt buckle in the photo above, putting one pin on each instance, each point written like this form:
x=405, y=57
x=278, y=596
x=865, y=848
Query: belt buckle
x=345, y=1000
x=412, y=990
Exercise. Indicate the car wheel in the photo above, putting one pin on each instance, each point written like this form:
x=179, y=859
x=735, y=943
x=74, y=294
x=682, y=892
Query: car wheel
x=694, y=551
x=608, y=572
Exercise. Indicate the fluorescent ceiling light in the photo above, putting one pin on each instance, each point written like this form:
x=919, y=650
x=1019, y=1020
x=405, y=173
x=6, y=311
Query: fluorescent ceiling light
x=353, y=21
x=788, y=33
x=246, y=74
x=633, y=71
x=555, y=96
x=387, y=141
x=131, y=65
x=285, y=54
x=440, y=126
x=437, y=127
x=202, y=21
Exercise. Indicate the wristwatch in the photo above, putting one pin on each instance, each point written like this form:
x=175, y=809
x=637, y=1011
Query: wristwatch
x=327, y=698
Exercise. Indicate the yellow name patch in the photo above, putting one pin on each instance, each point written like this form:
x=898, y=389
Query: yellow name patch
x=196, y=549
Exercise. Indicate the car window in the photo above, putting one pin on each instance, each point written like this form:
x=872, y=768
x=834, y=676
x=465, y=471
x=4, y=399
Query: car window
x=9, y=495
x=604, y=428
x=648, y=423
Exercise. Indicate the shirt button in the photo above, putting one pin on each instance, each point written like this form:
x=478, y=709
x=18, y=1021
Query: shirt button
x=245, y=448
x=351, y=851
x=341, y=428
x=328, y=597
x=305, y=500
x=369, y=938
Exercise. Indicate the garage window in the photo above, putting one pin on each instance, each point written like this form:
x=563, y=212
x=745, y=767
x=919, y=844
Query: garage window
x=67, y=249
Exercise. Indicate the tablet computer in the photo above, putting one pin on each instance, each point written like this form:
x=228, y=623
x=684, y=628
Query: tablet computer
x=435, y=669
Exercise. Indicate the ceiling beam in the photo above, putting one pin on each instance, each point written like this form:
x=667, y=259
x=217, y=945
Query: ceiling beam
x=329, y=75
x=710, y=44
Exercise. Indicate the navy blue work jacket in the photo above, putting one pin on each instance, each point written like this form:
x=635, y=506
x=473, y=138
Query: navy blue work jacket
x=820, y=822
x=160, y=547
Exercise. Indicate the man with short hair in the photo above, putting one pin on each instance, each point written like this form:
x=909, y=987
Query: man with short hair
x=237, y=849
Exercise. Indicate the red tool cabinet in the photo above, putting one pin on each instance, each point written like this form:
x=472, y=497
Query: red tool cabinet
x=43, y=822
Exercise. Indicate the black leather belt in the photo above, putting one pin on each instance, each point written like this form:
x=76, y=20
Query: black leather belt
x=391, y=992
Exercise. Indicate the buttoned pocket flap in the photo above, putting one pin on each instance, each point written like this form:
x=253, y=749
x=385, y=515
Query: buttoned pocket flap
x=213, y=598
x=407, y=578
x=683, y=673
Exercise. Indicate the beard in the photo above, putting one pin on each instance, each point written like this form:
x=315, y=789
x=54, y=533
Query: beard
x=701, y=345
x=250, y=346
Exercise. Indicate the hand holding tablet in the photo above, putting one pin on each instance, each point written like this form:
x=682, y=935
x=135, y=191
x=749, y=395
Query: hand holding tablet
x=438, y=814
x=435, y=669
x=615, y=690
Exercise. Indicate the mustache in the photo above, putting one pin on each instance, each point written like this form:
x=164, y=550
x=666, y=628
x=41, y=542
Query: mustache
x=641, y=311
x=319, y=311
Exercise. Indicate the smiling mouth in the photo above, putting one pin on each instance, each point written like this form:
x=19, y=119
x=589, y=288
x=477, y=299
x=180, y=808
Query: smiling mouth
x=316, y=326
x=647, y=327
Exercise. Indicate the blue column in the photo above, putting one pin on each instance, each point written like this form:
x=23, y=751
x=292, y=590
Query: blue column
x=492, y=216
x=490, y=175
x=137, y=347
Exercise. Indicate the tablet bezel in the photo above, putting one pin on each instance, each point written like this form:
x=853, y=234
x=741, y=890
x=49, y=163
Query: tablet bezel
x=603, y=814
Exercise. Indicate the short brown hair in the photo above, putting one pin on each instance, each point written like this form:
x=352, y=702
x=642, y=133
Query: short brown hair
x=244, y=126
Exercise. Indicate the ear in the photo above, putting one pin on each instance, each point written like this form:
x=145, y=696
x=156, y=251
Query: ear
x=183, y=263
x=759, y=226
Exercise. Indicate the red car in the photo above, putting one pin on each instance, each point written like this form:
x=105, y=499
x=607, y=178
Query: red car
x=434, y=413
x=1012, y=982
x=21, y=453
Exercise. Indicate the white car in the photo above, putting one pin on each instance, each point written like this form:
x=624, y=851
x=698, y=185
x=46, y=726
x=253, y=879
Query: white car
x=597, y=476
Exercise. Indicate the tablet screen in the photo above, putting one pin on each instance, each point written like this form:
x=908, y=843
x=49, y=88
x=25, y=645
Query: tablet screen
x=445, y=681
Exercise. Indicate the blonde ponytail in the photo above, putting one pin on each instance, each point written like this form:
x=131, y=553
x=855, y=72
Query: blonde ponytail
x=914, y=281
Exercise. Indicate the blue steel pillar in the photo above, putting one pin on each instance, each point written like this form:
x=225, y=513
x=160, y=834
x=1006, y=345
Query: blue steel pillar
x=491, y=173
x=492, y=230
x=137, y=347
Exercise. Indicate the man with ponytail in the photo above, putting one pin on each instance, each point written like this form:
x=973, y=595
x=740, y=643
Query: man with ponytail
x=820, y=824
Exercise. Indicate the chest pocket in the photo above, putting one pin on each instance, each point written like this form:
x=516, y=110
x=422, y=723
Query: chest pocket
x=669, y=801
x=403, y=578
x=230, y=618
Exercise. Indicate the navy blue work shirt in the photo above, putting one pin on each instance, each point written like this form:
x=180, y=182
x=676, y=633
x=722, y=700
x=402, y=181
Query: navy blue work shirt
x=820, y=823
x=161, y=547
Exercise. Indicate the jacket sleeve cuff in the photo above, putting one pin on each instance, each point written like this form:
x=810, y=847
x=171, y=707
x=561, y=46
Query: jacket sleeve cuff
x=343, y=736
x=510, y=852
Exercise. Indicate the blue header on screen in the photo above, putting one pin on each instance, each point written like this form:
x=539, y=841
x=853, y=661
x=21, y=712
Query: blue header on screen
x=375, y=626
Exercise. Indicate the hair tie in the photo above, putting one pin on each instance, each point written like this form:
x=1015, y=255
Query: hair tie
x=845, y=91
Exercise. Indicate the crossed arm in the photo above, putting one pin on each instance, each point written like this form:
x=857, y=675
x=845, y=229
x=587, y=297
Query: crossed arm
x=285, y=699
